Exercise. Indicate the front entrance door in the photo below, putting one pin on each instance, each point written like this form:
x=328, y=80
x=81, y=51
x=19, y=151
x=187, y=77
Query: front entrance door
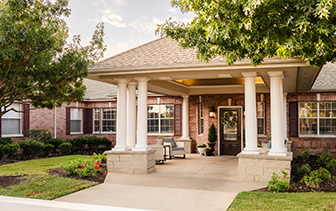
x=230, y=131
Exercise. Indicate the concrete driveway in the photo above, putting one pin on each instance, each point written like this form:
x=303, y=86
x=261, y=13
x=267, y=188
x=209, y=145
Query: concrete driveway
x=194, y=183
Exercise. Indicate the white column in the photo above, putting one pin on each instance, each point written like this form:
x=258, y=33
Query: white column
x=251, y=133
x=142, y=116
x=131, y=114
x=277, y=116
x=185, y=124
x=121, y=117
x=285, y=115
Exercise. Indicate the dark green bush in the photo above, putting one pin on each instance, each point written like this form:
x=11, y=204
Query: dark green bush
x=55, y=141
x=79, y=142
x=4, y=141
x=48, y=148
x=93, y=142
x=65, y=148
x=212, y=136
x=304, y=169
x=8, y=150
x=331, y=165
x=324, y=159
x=41, y=135
x=31, y=149
x=304, y=156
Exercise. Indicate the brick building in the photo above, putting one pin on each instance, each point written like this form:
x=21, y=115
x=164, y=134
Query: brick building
x=182, y=92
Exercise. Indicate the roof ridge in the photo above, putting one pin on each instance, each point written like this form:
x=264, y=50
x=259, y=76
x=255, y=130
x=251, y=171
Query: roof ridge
x=124, y=52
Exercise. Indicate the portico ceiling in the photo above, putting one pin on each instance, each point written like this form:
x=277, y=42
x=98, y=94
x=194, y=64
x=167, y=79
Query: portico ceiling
x=175, y=71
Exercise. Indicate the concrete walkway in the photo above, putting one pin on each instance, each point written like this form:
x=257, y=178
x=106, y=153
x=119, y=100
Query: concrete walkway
x=194, y=183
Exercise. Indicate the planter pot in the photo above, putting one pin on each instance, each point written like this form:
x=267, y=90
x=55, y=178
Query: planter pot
x=208, y=153
x=159, y=141
x=201, y=150
x=212, y=145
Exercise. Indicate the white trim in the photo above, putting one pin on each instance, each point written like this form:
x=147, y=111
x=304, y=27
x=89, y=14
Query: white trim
x=14, y=135
x=157, y=134
x=76, y=133
x=241, y=125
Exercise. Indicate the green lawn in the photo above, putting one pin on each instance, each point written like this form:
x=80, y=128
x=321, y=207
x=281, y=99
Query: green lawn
x=284, y=201
x=39, y=183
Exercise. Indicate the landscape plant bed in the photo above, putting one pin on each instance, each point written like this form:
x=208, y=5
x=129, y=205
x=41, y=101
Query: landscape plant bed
x=97, y=177
x=296, y=183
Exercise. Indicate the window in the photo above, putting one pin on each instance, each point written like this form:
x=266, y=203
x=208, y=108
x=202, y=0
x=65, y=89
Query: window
x=109, y=120
x=200, y=118
x=160, y=119
x=11, y=121
x=261, y=118
x=317, y=118
x=96, y=122
x=75, y=120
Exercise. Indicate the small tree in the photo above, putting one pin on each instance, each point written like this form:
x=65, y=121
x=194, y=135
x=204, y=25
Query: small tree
x=212, y=136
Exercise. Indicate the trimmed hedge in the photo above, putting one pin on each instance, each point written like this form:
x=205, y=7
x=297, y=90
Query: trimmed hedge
x=31, y=149
x=4, y=141
x=8, y=150
x=41, y=135
x=56, y=142
x=65, y=148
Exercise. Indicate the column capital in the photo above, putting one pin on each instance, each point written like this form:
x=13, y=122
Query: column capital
x=185, y=96
x=275, y=73
x=249, y=74
x=142, y=79
x=121, y=80
x=132, y=83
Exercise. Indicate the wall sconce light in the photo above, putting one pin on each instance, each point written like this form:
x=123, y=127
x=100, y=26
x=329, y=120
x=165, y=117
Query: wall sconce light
x=213, y=112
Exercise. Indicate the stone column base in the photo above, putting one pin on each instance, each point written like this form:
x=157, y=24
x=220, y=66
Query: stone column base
x=187, y=145
x=130, y=162
x=261, y=167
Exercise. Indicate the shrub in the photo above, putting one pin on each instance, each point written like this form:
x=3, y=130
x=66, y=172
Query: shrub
x=331, y=165
x=4, y=141
x=212, y=136
x=304, y=169
x=93, y=142
x=102, y=158
x=8, y=150
x=79, y=142
x=41, y=135
x=55, y=141
x=31, y=148
x=48, y=148
x=65, y=148
x=324, y=159
x=279, y=183
x=315, y=177
x=84, y=169
x=304, y=156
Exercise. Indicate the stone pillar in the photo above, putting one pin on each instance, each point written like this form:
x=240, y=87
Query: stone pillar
x=142, y=115
x=277, y=116
x=185, y=123
x=131, y=114
x=121, y=117
x=251, y=133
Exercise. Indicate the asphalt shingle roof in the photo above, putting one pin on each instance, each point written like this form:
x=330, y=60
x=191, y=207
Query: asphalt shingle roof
x=326, y=80
x=96, y=90
x=163, y=51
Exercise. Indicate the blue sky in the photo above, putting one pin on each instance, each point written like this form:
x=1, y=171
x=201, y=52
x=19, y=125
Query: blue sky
x=128, y=23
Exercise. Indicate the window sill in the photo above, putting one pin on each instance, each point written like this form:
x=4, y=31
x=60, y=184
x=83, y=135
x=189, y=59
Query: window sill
x=108, y=133
x=317, y=136
x=76, y=133
x=163, y=134
x=262, y=136
x=200, y=134
x=13, y=135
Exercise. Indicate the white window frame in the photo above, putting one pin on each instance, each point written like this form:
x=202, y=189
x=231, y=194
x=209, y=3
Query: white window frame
x=318, y=118
x=159, y=120
x=81, y=120
x=102, y=120
x=261, y=117
x=7, y=117
x=200, y=118
x=98, y=120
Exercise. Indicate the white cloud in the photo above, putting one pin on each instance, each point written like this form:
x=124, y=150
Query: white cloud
x=110, y=17
x=172, y=10
x=116, y=47
x=146, y=25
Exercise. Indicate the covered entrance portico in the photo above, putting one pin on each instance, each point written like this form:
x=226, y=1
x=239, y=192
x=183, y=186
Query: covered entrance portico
x=176, y=72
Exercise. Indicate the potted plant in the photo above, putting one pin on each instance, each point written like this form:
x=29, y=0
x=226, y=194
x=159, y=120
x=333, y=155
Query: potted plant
x=212, y=137
x=159, y=139
x=201, y=148
x=208, y=151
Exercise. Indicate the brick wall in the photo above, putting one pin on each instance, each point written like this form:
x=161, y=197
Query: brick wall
x=316, y=145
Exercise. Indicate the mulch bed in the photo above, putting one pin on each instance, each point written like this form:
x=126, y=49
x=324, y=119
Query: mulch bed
x=97, y=177
x=297, y=186
x=6, y=181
